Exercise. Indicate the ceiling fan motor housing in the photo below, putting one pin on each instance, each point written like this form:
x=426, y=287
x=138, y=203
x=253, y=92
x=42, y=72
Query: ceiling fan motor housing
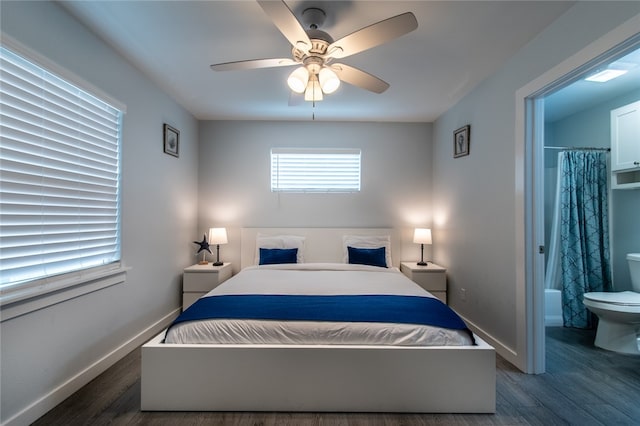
x=314, y=59
x=313, y=17
x=320, y=41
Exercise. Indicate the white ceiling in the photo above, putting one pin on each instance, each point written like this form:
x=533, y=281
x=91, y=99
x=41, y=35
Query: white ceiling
x=582, y=95
x=456, y=46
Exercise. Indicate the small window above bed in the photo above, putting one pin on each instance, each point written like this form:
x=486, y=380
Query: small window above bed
x=315, y=170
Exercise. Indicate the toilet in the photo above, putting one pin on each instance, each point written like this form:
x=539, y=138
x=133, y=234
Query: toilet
x=618, y=314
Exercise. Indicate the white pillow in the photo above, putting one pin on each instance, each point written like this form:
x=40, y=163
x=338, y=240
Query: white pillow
x=367, y=241
x=280, y=242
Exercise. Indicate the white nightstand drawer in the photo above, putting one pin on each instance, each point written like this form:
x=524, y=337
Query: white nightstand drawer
x=431, y=277
x=203, y=278
x=430, y=281
x=198, y=280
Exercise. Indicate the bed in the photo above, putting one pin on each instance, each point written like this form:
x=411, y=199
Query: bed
x=411, y=371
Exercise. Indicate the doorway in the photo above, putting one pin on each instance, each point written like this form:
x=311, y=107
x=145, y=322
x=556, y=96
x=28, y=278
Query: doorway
x=532, y=102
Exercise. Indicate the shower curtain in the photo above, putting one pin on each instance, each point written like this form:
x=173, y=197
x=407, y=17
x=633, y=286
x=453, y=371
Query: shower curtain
x=578, y=260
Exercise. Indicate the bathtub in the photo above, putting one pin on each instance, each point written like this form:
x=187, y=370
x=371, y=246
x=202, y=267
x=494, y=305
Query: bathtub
x=552, y=308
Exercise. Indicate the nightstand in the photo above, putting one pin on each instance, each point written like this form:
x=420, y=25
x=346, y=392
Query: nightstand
x=198, y=280
x=432, y=277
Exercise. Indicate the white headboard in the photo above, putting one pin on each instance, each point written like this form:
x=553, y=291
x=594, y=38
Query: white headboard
x=321, y=244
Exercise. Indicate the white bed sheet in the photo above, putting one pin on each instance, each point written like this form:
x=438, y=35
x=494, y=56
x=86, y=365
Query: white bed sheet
x=316, y=279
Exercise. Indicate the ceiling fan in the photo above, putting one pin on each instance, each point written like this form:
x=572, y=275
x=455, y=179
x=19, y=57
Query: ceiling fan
x=313, y=50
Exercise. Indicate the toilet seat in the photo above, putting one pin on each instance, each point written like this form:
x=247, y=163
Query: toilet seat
x=622, y=298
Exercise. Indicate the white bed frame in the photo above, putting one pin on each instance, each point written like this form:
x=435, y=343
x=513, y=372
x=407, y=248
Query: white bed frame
x=329, y=378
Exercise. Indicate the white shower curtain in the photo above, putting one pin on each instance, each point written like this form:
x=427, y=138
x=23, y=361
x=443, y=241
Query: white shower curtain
x=553, y=275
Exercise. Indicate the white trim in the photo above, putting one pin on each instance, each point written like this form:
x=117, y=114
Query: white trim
x=25, y=300
x=54, y=68
x=528, y=320
x=502, y=350
x=57, y=395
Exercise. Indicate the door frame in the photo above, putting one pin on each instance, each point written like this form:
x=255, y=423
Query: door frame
x=529, y=183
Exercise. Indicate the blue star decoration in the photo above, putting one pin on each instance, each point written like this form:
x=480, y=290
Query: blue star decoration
x=204, y=245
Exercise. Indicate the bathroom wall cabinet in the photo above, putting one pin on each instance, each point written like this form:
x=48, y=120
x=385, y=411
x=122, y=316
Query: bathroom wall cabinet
x=625, y=146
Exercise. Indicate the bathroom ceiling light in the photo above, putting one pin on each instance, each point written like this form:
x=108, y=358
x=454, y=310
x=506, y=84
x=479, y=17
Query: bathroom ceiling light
x=606, y=75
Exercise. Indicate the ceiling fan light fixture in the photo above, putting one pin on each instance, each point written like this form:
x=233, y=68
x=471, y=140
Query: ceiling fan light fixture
x=298, y=80
x=313, y=92
x=329, y=80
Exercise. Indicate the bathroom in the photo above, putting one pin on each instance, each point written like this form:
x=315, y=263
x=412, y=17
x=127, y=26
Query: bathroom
x=588, y=126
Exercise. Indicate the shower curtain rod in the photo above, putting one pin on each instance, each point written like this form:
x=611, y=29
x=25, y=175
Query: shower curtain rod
x=573, y=148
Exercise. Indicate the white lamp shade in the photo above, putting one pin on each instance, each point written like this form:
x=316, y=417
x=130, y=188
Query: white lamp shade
x=313, y=92
x=298, y=80
x=422, y=236
x=218, y=236
x=329, y=81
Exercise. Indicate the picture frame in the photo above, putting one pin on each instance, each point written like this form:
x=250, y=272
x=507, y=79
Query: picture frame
x=171, y=139
x=461, y=141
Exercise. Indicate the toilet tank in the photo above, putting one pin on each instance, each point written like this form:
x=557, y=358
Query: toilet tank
x=634, y=269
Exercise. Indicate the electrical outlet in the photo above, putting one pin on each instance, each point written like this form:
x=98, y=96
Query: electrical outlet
x=463, y=294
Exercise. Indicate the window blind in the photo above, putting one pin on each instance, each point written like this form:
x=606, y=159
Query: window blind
x=59, y=170
x=315, y=170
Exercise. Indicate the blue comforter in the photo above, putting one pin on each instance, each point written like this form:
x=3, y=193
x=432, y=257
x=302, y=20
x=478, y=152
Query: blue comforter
x=338, y=308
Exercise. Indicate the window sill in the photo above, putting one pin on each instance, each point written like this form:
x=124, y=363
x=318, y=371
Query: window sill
x=24, y=300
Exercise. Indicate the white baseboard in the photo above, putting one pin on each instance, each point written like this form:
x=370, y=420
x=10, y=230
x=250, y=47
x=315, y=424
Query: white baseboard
x=40, y=407
x=502, y=350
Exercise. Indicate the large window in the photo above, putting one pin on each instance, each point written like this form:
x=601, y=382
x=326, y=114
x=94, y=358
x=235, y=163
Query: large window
x=315, y=170
x=59, y=170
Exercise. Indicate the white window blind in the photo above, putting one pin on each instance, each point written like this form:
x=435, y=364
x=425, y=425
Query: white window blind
x=315, y=170
x=59, y=169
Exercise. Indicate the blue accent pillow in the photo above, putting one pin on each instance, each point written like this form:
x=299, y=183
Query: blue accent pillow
x=368, y=256
x=275, y=256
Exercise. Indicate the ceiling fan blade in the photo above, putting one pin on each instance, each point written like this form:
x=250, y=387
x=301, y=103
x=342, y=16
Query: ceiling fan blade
x=253, y=64
x=373, y=35
x=359, y=78
x=286, y=21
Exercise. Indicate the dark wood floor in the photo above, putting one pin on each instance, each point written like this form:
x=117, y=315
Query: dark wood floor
x=583, y=386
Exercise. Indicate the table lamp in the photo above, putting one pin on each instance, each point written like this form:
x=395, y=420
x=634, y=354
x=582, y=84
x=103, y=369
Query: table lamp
x=422, y=236
x=217, y=236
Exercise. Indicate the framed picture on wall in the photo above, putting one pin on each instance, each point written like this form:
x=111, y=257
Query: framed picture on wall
x=171, y=140
x=461, y=141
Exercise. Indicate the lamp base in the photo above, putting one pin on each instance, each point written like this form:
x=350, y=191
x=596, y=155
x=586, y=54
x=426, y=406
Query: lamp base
x=421, y=263
x=203, y=262
x=218, y=263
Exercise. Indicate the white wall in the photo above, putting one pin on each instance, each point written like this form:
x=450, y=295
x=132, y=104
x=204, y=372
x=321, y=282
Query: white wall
x=42, y=352
x=234, y=178
x=475, y=196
